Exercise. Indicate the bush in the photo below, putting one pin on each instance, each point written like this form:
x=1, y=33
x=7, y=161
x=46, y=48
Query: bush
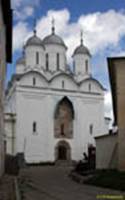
x=112, y=179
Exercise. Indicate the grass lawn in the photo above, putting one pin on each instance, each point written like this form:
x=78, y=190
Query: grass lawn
x=108, y=179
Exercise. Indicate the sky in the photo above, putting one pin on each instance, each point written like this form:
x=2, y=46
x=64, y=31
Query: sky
x=102, y=22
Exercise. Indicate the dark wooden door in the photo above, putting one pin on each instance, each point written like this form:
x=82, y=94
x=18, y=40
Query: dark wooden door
x=62, y=152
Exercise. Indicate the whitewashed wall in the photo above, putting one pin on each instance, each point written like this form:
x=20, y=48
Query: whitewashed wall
x=80, y=66
x=31, y=57
x=36, y=104
x=52, y=50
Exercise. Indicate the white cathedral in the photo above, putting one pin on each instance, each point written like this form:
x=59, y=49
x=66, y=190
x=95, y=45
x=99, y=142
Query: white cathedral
x=52, y=112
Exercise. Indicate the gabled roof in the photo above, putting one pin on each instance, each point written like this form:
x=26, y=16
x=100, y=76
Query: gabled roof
x=94, y=80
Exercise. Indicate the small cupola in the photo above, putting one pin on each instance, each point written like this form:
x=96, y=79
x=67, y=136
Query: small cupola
x=34, y=40
x=55, y=51
x=82, y=49
x=54, y=39
x=82, y=59
x=35, y=52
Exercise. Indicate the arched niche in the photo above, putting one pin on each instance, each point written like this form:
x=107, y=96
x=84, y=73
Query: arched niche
x=63, y=119
x=63, y=151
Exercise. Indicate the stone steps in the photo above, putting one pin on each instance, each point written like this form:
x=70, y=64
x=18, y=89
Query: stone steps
x=63, y=163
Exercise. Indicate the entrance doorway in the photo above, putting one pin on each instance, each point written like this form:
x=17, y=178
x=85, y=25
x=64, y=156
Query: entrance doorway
x=63, y=151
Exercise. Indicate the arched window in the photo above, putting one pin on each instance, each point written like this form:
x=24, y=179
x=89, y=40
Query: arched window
x=58, y=61
x=37, y=57
x=63, y=84
x=86, y=66
x=63, y=119
x=34, y=127
x=74, y=66
x=47, y=61
x=89, y=87
x=91, y=129
x=62, y=129
x=34, y=81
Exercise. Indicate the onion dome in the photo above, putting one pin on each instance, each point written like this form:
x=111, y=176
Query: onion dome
x=81, y=49
x=53, y=38
x=34, y=41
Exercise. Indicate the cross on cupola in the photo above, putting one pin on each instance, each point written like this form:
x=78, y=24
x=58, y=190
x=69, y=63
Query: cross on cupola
x=81, y=37
x=53, y=26
x=34, y=28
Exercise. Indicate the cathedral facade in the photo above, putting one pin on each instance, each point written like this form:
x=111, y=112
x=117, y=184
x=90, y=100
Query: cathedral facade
x=52, y=112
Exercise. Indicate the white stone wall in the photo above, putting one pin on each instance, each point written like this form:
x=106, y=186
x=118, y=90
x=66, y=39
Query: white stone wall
x=40, y=80
x=63, y=81
x=10, y=122
x=37, y=104
x=80, y=66
x=52, y=50
x=20, y=69
x=30, y=52
x=107, y=152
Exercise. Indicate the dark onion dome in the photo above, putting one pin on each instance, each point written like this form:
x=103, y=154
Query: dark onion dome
x=21, y=61
x=81, y=50
x=34, y=41
x=54, y=39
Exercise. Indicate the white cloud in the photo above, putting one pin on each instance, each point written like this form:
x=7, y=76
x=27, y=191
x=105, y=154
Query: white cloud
x=22, y=3
x=24, y=8
x=102, y=30
x=25, y=13
x=16, y=3
x=20, y=32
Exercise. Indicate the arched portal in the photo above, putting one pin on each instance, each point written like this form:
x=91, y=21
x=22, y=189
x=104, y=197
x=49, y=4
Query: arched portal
x=63, y=119
x=63, y=151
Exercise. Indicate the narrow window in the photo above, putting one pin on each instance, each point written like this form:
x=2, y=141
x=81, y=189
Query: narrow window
x=63, y=84
x=91, y=129
x=37, y=58
x=86, y=66
x=47, y=61
x=34, y=81
x=74, y=66
x=58, y=60
x=62, y=129
x=89, y=87
x=34, y=127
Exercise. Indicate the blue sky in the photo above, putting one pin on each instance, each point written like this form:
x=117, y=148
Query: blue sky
x=102, y=21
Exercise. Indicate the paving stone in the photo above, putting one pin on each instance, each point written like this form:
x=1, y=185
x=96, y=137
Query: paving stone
x=7, y=190
x=53, y=183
